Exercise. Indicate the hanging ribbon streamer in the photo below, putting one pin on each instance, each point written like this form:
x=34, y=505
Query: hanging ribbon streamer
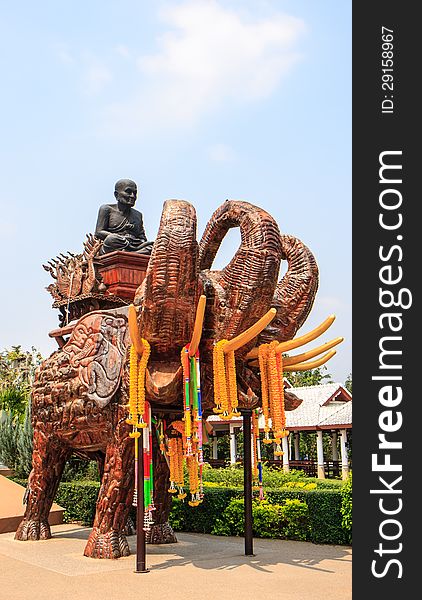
x=140, y=418
x=256, y=457
x=148, y=470
x=188, y=447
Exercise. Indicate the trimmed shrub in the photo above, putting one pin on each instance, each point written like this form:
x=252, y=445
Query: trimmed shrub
x=201, y=519
x=346, y=508
x=288, y=520
x=292, y=513
x=78, y=498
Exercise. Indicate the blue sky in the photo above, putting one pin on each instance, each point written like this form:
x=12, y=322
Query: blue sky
x=199, y=99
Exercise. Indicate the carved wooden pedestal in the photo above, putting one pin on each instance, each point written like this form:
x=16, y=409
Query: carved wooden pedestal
x=122, y=272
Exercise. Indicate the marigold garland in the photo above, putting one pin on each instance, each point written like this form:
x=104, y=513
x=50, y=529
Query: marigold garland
x=225, y=386
x=272, y=393
x=175, y=454
x=138, y=367
x=189, y=445
x=262, y=358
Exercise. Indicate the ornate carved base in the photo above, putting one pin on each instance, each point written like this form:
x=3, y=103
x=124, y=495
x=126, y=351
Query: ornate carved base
x=112, y=544
x=161, y=534
x=33, y=530
x=122, y=272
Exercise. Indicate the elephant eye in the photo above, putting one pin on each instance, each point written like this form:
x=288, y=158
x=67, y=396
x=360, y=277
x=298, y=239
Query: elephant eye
x=222, y=304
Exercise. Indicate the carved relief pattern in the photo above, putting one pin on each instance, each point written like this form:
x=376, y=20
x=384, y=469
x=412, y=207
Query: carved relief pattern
x=80, y=393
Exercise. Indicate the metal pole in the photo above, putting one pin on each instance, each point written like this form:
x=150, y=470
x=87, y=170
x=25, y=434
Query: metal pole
x=140, y=504
x=247, y=480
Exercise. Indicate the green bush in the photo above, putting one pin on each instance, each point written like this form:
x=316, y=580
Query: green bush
x=78, y=498
x=201, y=518
x=16, y=441
x=288, y=520
x=346, y=508
x=80, y=469
x=272, y=478
x=317, y=515
x=8, y=439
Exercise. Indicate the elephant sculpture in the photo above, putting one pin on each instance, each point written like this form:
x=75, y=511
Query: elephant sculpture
x=80, y=394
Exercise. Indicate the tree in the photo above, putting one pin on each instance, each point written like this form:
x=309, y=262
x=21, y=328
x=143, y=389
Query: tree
x=17, y=371
x=312, y=377
x=348, y=383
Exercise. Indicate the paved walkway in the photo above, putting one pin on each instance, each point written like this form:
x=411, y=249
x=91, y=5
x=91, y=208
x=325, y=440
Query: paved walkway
x=198, y=567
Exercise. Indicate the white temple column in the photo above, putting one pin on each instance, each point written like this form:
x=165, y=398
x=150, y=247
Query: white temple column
x=344, y=454
x=214, y=446
x=320, y=456
x=232, y=445
x=285, y=447
x=334, y=445
x=297, y=445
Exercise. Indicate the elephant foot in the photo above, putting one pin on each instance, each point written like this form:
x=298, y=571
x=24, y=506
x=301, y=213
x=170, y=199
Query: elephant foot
x=30, y=529
x=160, y=534
x=130, y=528
x=112, y=544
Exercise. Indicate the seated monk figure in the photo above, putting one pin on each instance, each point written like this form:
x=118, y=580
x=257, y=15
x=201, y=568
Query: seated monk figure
x=120, y=226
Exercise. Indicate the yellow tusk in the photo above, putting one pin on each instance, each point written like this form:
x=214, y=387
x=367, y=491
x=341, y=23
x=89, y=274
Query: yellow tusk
x=247, y=335
x=308, y=337
x=292, y=360
x=300, y=341
x=133, y=330
x=197, y=328
x=305, y=366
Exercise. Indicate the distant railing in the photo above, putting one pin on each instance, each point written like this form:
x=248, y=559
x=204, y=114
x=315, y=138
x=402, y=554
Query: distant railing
x=332, y=468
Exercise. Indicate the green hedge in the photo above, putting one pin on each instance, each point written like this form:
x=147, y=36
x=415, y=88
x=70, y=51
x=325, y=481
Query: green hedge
x=324, y=513
x=289, y=520
x=346, y=508
x=323, y=519
x=78, y=498
x=324, y=507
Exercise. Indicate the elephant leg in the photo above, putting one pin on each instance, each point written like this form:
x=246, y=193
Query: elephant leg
x=161, y=531
x=107, y=539
x=48, y=460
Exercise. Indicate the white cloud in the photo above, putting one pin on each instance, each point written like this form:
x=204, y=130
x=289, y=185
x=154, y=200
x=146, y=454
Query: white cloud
x=221, y=153
x=123, y=51
x=210, y=57
x=96, y=77
x=8, y=230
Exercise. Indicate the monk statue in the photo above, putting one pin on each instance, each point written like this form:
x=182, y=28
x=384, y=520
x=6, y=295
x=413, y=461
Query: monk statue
x=120, y=226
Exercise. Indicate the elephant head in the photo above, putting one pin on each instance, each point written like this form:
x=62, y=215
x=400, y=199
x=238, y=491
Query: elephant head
x=179, y=271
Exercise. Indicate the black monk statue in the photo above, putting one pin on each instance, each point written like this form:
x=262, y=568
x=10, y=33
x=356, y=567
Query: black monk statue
x=120, y=226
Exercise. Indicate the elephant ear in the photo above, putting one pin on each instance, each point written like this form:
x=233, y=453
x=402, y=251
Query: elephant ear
x=97, y=348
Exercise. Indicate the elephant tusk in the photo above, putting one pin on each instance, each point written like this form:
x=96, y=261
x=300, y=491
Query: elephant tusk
x=300, y=358
x=300, y=341
x=247, y=335
x=134, y=331
x=308, y=337
x=305, y=366
x=293, y=360
x=197, y=328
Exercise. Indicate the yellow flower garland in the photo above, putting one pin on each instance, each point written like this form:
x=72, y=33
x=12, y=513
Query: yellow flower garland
x=263, y=358
x=220, y=388
x=225, y=386
x=138, y=366
x=272, y=394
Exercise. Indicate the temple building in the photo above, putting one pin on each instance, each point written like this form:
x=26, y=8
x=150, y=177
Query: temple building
x=325, y=413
